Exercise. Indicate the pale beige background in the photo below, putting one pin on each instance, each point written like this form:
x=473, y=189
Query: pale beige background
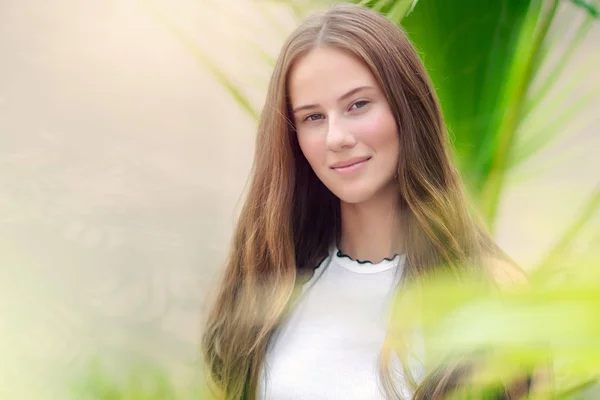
x=122, y=162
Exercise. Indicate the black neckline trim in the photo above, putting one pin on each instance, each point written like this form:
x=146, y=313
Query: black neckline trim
x=314, y=269
x=341, y=255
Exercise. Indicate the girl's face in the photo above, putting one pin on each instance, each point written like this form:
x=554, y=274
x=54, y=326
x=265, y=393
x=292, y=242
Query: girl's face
x=344, y=124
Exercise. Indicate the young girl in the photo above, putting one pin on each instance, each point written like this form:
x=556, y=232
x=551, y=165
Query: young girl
x=353, y=192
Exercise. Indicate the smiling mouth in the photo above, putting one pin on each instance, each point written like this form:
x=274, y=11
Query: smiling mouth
x=351, y=165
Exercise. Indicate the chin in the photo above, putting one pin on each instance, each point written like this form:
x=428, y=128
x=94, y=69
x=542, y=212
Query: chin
x=353, y=196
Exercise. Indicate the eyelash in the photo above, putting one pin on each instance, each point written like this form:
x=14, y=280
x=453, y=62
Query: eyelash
x=307, y=118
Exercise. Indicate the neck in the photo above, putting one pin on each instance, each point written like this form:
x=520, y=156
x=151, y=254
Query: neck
x=370, y=229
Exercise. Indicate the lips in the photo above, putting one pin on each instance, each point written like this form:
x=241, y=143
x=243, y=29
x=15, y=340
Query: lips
x=350, y=162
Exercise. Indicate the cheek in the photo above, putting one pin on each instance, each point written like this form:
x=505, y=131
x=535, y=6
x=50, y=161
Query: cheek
x=312, y=148
x=379, y=131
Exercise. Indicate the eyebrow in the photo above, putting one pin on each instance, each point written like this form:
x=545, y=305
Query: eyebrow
x=342, y=97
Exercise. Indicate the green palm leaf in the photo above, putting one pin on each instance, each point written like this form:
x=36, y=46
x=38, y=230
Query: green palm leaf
x=395, y=10
x=480, y=56
x=591, y=6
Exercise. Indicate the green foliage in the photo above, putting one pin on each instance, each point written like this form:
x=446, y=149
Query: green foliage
x=140, y=380
x=516, y=329
x=187, y=42
x=395, y=10
x=480, y=56
x=590, y=6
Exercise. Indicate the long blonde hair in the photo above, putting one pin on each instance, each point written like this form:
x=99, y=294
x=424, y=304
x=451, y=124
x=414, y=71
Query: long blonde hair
x=289, y=219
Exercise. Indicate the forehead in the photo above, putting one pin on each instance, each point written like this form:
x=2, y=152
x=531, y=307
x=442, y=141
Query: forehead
x=326, y=73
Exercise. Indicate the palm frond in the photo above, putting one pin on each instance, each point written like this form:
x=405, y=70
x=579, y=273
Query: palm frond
x=588, y=209
x=186, y=41
x=590, y=6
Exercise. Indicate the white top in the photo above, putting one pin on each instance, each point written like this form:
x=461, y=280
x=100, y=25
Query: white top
x=329, y=345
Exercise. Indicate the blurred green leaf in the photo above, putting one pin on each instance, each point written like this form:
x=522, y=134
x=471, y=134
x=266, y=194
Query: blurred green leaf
x=590, y=6
x=513, y=330
x=395, y=10
x=139, y=380
x=551, y=131
x=556, y=254
x=481, y=56
x=185, y=40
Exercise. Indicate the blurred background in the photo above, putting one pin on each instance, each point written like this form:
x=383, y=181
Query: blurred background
x=127, y=133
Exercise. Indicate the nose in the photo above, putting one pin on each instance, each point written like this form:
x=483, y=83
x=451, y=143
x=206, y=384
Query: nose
x=338, y=136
